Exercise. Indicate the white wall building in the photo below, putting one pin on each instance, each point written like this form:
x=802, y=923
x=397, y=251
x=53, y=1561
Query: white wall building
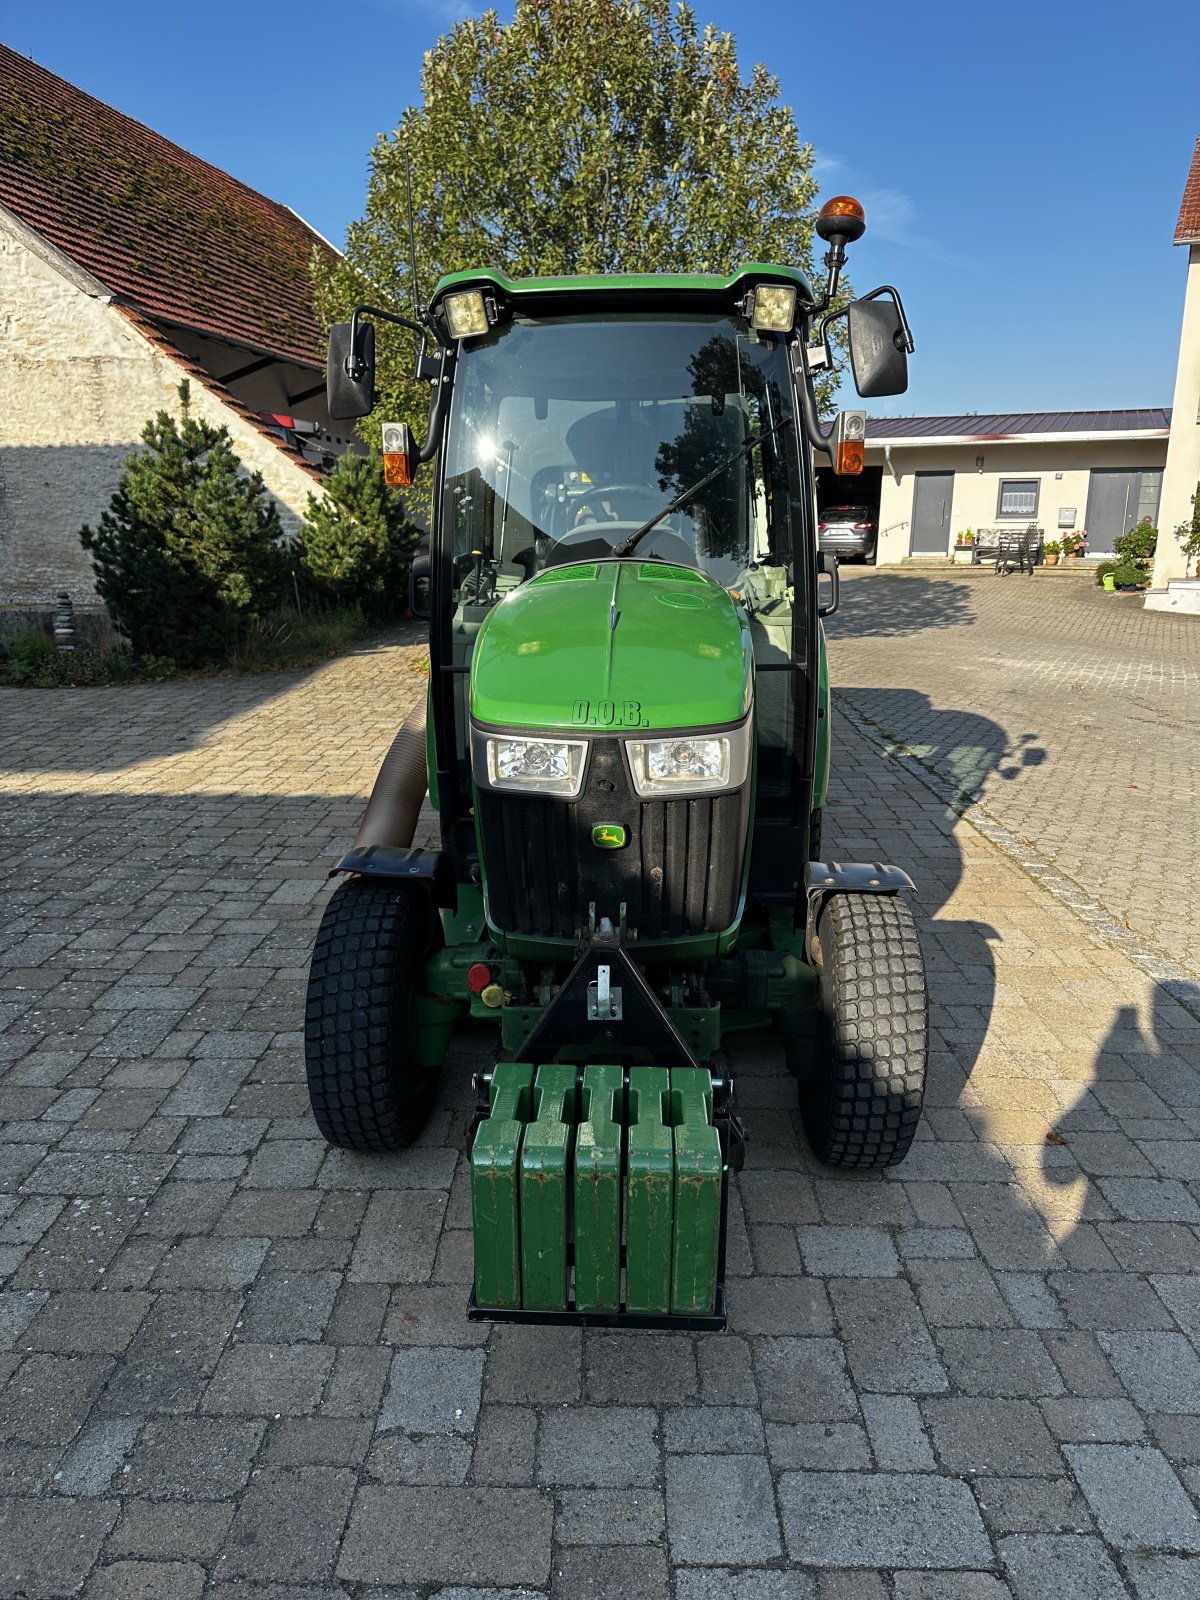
x=127, y=265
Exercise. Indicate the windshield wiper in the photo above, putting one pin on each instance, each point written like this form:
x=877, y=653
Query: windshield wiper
x=626, y=546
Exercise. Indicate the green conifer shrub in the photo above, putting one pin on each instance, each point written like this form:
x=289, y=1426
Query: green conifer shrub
x=189, y=543
x=358, y=541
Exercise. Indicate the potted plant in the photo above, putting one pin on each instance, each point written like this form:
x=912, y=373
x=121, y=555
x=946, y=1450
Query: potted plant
x=1051, y=552
x=1073, y=543
x=962, y=545
x=1128, y=578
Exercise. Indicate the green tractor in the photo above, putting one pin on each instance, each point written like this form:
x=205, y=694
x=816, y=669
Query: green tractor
x=626, y=740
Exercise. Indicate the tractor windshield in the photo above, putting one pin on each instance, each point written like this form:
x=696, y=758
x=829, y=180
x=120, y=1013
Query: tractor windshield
x=568, y=435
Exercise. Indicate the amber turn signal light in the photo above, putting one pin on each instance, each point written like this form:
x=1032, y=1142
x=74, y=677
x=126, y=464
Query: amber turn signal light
x=849, y=443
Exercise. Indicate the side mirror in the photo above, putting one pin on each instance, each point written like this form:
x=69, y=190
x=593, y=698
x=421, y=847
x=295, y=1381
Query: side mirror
x=879, y=345
x=350, y=370
x=418, y=585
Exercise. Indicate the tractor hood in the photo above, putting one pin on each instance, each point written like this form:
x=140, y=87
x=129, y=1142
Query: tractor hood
x=613, y=645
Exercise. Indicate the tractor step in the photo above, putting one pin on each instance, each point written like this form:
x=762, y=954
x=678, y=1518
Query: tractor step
x=599, y=1195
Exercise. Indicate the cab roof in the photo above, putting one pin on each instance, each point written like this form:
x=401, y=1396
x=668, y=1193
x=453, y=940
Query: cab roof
x=552, y=295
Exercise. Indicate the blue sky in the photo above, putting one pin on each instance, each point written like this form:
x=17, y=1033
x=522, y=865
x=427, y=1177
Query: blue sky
x=1021, y=164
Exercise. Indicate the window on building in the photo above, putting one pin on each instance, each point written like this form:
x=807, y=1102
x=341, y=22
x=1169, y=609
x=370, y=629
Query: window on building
x=1018, y=497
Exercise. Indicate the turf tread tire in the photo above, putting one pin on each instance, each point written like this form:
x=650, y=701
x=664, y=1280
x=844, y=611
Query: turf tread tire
x=862, y=1108
x=366, y=1091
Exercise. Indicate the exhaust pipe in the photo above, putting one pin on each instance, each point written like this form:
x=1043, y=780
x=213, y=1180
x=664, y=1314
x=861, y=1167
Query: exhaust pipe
x=395, y=804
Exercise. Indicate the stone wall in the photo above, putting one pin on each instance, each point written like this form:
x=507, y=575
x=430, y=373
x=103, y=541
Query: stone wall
x=77, y=384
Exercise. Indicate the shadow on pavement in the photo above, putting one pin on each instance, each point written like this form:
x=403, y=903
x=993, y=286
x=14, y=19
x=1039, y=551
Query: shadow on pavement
x=886, y=605
x=108, y=729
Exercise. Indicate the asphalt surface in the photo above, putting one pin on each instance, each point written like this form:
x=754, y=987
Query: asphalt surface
x=235, y=1363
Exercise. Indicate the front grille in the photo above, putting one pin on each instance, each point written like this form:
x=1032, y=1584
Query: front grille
x=680, y=871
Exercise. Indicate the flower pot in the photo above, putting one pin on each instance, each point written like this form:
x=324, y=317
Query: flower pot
x=1051, y=561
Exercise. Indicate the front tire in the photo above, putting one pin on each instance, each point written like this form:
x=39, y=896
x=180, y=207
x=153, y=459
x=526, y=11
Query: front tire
x=862, y=1107
x=365, y=1086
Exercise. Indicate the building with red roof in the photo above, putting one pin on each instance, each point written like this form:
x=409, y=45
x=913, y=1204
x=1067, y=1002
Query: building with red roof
x=126, y=265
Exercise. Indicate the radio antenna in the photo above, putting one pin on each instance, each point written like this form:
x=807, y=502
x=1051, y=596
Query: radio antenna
x=418, y=308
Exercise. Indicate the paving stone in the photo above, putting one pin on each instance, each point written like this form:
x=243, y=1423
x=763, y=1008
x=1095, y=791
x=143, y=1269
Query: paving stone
x=959, y=1294
x=1084, y=1366
x=1033, y=1505
x=887, y=1342
x=609, y=1517
x=1007, y=1361
x=726, y=1370
x=1029, y=1299
x=531, y=1365
x=73, y=1321
x=1135, y=1497
x=210, y=1263
x=289, y=1524
x=610, y=1574
x=285, y=1306
x=1159, y=1577
x=89, y=1465
x=79, y=1173
x=269, y=1213
x=433, y=1314
x=1178, y=1437
x=821, y=1446
x=318, y=1442
x=49, y=1396
x=784, y=1198
x=399, y=1237
x=48, y=1547
x=719, y=1583
x=170, y=1530
x=721, y=1510
x=470, y=1536
x=944, y=1586
x=1042, y=1564
x=429, y=1459
x=775, y=1250
x=268, y=1379
x=1000, y=1436
x=193, y=1458
x=803, y=1380
x=897, y=1433
x=709, y=1429
x=780, y=1306
x=604, y=1447
x=935, y=1244
x=1150, y=1199
x=356, y=1384
x=845, y=1252
x=286, y=1164
x=173, y=1353
x=506, y=1446
x=1090, y=1421
x=433, y=1391
x=848, y=1519
x=17, y=1311
x=1114, y=1301
x=1160, y=1370
x=147, y=1580
x=631, y=1368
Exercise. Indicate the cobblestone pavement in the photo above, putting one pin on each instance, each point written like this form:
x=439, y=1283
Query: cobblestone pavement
x=235, y=1363
x=1065, y=714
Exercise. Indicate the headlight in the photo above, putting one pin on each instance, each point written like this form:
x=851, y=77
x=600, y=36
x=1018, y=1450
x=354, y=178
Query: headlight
x=540, y=766
x=692, y=764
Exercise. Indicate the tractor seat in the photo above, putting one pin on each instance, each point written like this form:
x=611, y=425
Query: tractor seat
x=594, y=541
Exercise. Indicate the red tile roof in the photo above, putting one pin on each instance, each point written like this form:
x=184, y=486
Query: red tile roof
x=1187, y=230
x=166, y=233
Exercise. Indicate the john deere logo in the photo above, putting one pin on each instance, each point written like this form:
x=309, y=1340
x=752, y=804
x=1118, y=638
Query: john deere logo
x=608, y=836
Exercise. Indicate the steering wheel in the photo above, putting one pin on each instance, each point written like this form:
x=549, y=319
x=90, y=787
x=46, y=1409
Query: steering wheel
x=594, y=541
x=639, y=500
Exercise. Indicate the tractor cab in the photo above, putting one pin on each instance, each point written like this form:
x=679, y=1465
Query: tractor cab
x=627, y=740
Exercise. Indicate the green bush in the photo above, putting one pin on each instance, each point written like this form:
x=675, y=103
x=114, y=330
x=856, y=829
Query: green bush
x=358, y=542
x=189, y=543
x=1138, y=545
x=30, y=659
x=1128, y=576
x=1103, y=568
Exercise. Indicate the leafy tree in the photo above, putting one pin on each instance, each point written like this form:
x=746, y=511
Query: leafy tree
x=358, y=541
x=587, y=136
x=1188, y=533
x=188, y=543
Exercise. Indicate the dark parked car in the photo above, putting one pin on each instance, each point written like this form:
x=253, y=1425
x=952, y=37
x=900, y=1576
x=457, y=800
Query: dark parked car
x=847, y=531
